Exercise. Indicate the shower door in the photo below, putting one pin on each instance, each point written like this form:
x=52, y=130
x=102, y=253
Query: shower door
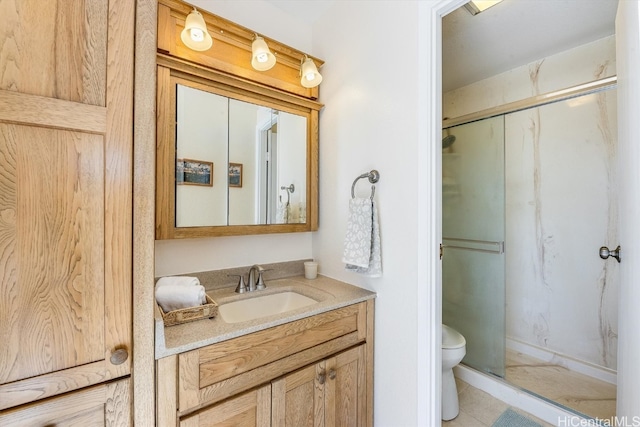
x=473, y=229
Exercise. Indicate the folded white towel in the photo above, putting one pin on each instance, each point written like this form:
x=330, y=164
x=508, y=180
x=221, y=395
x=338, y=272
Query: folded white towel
x=362, y=252
x=174, y=297
x=177, y=280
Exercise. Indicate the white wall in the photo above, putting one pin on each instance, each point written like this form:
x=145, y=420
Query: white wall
x=370, y=121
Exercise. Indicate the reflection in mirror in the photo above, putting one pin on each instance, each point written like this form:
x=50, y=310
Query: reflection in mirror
x=258, y=155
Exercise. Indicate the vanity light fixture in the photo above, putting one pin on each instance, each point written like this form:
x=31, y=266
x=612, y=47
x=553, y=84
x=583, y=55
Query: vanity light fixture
x=476, y=6
x=195, y=35
x=309, y=75
x=261, y=57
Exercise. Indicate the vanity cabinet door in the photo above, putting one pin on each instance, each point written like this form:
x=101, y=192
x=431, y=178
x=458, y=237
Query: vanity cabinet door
x=249, y=409
x=329, y=393
x=298, y=398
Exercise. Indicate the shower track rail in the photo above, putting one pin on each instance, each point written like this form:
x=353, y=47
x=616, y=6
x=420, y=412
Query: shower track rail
x=473, y=245
x=535, y=101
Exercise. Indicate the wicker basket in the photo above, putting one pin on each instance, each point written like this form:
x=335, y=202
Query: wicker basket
x=184, y=315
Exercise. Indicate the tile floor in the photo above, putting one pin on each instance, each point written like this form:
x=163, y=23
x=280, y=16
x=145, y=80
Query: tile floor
x=582, y=393
x=480, y=409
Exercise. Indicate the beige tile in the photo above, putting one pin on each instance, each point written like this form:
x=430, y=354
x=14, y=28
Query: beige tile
x=461, y=385
x=480, y=409
x=464, y=420
x=481, y=405
x=571, y=389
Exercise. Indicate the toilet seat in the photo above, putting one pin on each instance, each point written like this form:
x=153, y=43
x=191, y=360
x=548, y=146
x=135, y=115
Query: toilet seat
x=451, y=338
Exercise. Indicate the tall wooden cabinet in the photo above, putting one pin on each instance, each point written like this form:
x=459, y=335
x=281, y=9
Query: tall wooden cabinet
x=66, y=127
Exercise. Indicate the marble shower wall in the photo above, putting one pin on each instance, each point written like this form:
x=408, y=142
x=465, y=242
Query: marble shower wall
x=560, y=200
x=561, y=206
x=583, y=64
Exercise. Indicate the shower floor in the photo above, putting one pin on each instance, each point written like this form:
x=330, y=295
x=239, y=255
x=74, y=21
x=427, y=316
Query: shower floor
x=573, y=390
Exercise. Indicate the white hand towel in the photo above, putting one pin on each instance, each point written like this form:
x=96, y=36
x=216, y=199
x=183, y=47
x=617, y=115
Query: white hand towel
x=179, y=281
x=362, y=252
x=174, y=297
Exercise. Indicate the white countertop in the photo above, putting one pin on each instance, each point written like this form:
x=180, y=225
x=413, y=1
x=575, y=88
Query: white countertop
x=330, y=294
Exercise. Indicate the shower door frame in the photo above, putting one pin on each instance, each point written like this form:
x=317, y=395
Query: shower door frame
x=532, y=103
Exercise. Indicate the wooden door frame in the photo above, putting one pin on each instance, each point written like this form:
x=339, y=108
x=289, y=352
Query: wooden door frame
x=144, y=170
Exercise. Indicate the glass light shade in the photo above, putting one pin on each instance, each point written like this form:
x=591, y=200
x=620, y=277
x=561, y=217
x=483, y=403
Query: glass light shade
x=261, y=57
x=477, y=6
x=195, y=35
x=310, y=77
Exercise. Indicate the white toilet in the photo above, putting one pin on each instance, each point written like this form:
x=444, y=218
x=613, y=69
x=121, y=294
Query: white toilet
x=453, y=350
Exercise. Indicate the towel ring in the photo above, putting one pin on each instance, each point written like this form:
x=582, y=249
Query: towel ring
x=373, y=177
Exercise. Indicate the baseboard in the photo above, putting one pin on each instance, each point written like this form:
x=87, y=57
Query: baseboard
x=518, y=398
x=603, y=374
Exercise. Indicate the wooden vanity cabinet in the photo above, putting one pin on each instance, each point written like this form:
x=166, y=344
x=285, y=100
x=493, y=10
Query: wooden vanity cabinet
x=319, y=366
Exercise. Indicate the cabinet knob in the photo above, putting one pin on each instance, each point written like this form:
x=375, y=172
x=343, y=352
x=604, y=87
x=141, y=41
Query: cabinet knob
x=322, y=378
x=332, y=374
x=119, y=356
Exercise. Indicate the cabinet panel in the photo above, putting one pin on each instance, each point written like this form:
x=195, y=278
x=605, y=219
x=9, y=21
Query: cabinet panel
x=345, y=398
x=250, y=409
x=102, y=405
x=55, y=48
x=53, y=190
x=298, y=398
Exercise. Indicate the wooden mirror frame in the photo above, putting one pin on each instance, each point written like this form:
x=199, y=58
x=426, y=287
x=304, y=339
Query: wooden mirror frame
x=226, y=70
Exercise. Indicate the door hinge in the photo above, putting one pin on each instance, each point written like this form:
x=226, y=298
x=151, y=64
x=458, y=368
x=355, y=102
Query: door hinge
x=441, y=251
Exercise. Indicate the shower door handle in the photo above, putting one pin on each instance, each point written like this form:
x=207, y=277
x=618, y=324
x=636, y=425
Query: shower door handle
x=606, y=253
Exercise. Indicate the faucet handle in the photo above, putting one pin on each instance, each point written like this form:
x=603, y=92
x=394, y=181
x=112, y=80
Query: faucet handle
x=260, y=284
x=241, y=288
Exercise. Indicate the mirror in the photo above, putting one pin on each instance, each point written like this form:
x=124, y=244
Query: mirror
x=239, y=162
x=231, y=161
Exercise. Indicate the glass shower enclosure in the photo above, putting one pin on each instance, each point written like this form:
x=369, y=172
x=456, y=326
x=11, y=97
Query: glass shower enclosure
x=473, y=229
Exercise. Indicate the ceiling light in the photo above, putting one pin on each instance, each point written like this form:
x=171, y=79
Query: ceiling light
x=309, y=75
x=195, y=35
x=261, y=57
x=477, y=6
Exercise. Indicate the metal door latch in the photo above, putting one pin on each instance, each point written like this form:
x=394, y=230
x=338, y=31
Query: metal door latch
x=606, y=253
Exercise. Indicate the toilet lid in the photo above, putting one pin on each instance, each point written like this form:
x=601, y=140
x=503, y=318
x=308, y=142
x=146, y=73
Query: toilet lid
x=451, y=338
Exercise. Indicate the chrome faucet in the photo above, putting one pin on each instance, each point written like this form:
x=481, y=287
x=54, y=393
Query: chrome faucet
x=256, y=283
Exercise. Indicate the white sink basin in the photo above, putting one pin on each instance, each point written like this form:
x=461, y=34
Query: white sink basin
x=264, y=305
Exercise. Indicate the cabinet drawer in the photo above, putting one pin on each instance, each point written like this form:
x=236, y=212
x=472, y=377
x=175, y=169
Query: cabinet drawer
x=218, y=371
x=100, y=405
